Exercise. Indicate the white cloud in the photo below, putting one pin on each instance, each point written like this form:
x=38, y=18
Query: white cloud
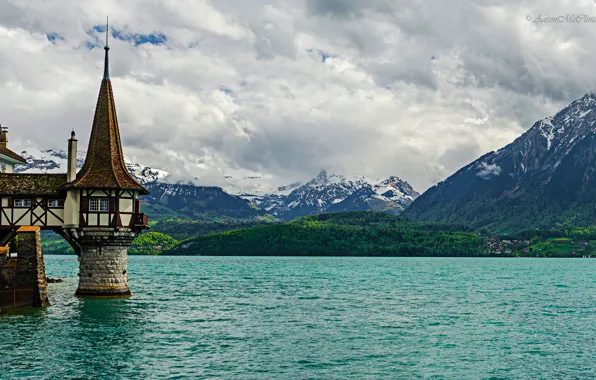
x=285, y=88
x=485, y=171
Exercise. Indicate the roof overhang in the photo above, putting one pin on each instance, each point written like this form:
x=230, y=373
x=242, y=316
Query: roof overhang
x=11, y=157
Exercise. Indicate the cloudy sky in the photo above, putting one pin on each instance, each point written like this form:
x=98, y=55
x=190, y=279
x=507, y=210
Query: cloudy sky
x=284, y=88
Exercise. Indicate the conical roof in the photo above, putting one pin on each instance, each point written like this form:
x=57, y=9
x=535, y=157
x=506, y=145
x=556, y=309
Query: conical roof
x=104, y=166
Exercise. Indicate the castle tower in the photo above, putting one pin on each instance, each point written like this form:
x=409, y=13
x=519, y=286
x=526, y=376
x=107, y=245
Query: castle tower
x=102, y=206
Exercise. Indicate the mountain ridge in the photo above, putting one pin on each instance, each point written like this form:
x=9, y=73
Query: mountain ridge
x=325, y=192
x=544, y=178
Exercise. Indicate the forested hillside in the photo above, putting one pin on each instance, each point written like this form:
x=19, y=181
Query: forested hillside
x=340, y=234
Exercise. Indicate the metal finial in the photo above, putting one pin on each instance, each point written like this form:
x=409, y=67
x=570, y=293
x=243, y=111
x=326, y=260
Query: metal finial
x=106, y=69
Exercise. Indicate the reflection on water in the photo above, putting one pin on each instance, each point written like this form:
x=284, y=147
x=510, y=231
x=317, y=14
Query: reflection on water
x=291, y=318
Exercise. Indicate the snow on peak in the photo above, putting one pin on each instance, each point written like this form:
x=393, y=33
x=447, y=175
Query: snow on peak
x=52, y=161
x=569, y=124
x=396, y=189
x=145, y=174
x=327, y=178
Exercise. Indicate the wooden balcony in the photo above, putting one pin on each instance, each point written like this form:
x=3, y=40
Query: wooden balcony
x=140, y=220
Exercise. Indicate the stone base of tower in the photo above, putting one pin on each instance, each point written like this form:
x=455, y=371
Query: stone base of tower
x=103, y=263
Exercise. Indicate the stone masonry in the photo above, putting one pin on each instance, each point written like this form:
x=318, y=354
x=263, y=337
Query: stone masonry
x=23, y=279
x=103, y=267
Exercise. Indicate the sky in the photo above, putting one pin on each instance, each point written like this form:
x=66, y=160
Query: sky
x=284, y=88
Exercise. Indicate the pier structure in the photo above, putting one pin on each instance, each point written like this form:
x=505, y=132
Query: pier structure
x=23, y=280
x=97, y=209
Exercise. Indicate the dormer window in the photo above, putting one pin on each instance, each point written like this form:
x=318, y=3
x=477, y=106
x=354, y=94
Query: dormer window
x=24, y=203
x=99, y=204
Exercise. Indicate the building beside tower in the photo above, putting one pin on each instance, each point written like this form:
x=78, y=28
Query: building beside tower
x=8, y=158
x=97, y=210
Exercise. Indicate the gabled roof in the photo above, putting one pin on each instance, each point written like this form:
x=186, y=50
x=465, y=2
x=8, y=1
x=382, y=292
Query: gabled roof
x=104, y=166
x=7, y=152
x=31, y=184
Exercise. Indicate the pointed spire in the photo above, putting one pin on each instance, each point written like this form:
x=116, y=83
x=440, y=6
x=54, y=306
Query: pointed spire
x=106, y=68
x=104, y=166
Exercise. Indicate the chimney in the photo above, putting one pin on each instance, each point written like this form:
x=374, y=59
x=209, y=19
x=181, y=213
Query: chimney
x=3, y=137
x=71, y=173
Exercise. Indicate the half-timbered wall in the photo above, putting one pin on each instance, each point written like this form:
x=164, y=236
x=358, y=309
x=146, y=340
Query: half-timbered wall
x=122, y=205
x=39, y=213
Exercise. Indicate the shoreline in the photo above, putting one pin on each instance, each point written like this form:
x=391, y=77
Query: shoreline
x=428, y=256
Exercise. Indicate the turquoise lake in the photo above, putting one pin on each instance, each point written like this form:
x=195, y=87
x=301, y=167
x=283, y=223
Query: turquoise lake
x=315, y=318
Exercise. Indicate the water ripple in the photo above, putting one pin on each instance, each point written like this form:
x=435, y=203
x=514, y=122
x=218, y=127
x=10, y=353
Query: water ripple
x=320, y=318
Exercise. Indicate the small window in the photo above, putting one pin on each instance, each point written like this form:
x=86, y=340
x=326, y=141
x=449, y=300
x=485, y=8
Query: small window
x=99, y=204
x=55, y=203
x=22, y=203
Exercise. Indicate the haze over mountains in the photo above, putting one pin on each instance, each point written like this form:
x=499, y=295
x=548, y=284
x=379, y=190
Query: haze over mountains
x=545, y=178
x=249, y=198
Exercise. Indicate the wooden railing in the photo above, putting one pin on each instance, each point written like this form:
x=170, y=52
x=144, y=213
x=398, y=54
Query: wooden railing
x=141, y=220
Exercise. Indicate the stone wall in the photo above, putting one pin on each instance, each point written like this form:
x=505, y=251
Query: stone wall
x=23, y=279
x=103, y=263
x=3, y=256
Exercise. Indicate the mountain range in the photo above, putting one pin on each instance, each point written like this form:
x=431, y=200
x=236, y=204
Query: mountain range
x=325, y=193
x=330, y=192
x=545, y=178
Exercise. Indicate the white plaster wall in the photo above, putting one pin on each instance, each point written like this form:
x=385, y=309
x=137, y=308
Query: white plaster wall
x=72, y=206
x=52, y=220
x=125, y=205
x=125, y=219
x=104, y=219
x=38, y=211
x=18, y=212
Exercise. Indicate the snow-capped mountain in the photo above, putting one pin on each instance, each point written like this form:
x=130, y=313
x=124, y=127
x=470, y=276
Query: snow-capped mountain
x=395, y=190
x=253, y=186
x=199, y=202
x=318, y=195
x=543, y=178
x=327, y=191
x=55, y=161
x=47, y=161
x=271, y=200
x=183, y=199
x=392, y=195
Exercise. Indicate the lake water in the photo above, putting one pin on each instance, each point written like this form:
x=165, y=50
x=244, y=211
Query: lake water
x=315, y=318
